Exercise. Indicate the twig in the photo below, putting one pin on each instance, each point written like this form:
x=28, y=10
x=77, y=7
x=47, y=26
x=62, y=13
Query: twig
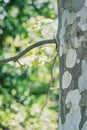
x=20, y=63
x=50, y=86
x=18, y=56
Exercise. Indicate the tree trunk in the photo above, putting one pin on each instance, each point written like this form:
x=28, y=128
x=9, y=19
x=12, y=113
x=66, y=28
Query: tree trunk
x=72, y=39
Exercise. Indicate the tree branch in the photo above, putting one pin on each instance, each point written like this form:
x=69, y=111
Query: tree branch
x=18, y=56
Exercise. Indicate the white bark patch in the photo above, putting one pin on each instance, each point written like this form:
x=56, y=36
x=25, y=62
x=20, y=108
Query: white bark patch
x=86, y=112
x=85, y=4
x=60, y=124
x=73, y=97
x=78, y=61
x=73, y=118
x=85, y=126
x=68, y=18
x=62, y=50
x=78, y=41
x=84, y=66
x=83, y=18
x=69, y=105
x=82, y=81
x=66, y=80
x=71, y=57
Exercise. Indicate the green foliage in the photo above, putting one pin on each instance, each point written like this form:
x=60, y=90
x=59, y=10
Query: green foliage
x=24, y=88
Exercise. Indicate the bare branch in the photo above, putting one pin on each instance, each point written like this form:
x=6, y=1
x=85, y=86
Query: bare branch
x=18, y=56
x=20, y=63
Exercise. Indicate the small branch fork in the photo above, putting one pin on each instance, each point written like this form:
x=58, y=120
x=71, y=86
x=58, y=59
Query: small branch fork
x=37, y=44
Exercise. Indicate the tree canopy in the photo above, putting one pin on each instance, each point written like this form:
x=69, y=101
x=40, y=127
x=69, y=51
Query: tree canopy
x=28, y=93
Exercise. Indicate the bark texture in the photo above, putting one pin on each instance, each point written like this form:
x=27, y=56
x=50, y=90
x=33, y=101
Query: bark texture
x=72, y=38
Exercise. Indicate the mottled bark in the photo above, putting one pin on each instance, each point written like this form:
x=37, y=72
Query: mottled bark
x=72, y=38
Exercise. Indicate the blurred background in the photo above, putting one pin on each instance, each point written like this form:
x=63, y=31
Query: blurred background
x=29, y=89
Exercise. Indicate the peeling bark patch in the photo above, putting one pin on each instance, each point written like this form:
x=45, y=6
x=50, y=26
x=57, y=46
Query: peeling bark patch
x=62, y=50
x=74, y=116
x=85, y=4
x=73, y=5
x=85, y=126
x=83, y=101
x=84, y=66
x=63, y=108
x=67, y=19
x=78, y=61
x=75, y=71
x=60, y=124
x=82, y=81
x=66, y=80
x=83, y=21
x=83, y=117
x=74, y=97
x=69, y=105
x=71, y=57
x=86, y=112
x=78, y=41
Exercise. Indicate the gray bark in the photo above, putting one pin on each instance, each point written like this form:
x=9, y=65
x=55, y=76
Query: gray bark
x=72, y=39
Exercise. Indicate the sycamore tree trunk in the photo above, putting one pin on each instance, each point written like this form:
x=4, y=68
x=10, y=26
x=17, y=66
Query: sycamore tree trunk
x=72, y=39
